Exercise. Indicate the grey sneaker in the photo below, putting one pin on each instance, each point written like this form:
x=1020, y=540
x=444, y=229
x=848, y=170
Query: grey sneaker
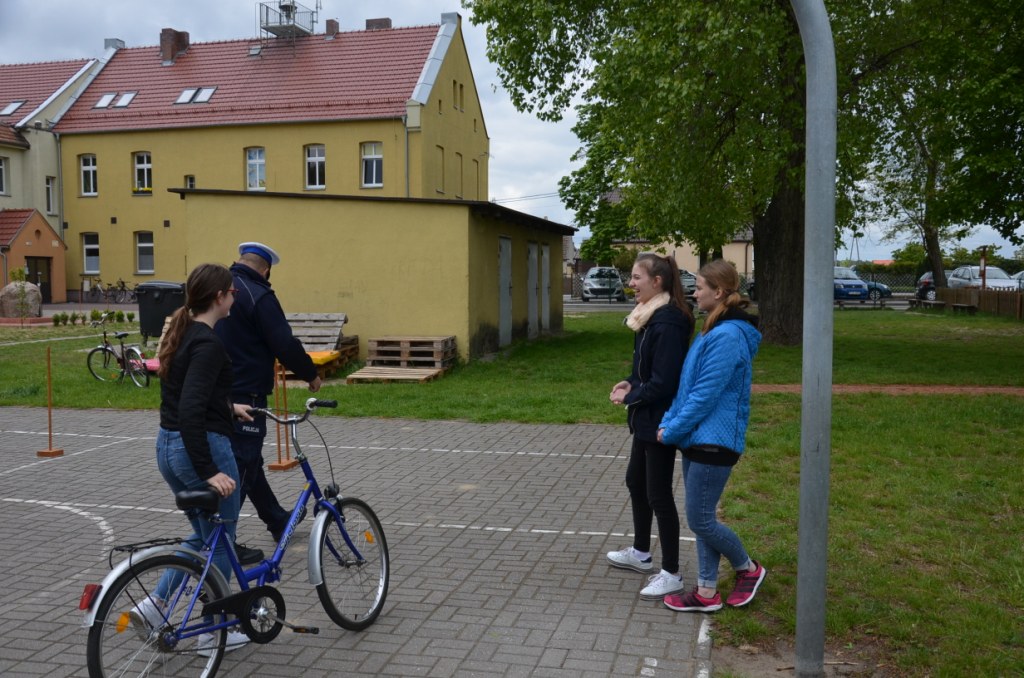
x=660, y=585
x=628, y=560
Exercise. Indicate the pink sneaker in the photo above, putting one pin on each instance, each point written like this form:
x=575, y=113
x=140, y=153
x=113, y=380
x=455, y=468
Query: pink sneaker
x=691, y=601
x=746, y=586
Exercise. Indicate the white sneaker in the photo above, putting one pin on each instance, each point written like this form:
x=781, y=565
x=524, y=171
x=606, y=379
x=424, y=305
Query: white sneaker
x=660, y=585
x=208, y=641
x=146, y=617
x=628, y=560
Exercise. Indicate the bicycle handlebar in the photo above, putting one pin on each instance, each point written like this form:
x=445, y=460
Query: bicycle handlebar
x=311, y=404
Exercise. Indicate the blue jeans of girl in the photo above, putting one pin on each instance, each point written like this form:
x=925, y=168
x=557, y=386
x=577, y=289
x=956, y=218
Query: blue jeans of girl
x=704, y=485
x=176, y=468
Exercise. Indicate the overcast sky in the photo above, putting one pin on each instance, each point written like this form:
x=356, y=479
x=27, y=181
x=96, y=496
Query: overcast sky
x=528, y=156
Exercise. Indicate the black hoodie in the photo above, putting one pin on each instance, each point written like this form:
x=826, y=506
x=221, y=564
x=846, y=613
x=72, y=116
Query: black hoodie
x=659, y=349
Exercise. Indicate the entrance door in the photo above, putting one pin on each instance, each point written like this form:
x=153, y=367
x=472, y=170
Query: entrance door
x=39, y=274
x=545, y=288
x=504, y=291
x=532, y=329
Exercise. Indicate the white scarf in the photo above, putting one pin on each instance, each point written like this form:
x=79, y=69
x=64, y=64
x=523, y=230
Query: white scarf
x=643, y=311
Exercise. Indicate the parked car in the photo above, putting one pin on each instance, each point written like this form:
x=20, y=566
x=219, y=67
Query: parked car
x=877, y=290
x=846, y=284
x=926, y=285
x=603, y=282
x=688, y=281
x=970, y=276
x=1019, y=277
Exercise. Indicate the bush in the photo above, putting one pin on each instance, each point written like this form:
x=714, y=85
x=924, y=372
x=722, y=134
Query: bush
x=56, y=319
x=119, y=317
x=73, y=317
x=131, y=316
x=94, y=315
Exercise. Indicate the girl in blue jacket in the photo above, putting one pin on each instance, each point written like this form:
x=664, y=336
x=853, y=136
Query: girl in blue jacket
x=708, y=422
x=663, y=325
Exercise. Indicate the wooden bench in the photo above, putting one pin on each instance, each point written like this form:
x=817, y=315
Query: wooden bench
x=937, y=305
x=969, y=309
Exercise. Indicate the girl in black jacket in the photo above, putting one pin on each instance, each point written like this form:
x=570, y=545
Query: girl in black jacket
x=663, y=324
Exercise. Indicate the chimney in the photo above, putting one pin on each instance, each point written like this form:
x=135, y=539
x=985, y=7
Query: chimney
x=332, y=28
x=172, y=43
x=378, y=24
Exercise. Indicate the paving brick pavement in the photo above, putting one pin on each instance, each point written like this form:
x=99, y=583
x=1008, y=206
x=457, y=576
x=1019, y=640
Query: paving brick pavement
x=497, y=535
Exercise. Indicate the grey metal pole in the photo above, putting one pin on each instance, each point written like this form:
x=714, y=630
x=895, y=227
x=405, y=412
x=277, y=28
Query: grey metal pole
x=816, y=414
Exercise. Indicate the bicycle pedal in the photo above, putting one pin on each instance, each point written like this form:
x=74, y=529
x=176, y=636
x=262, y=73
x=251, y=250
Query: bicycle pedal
x=305, y=629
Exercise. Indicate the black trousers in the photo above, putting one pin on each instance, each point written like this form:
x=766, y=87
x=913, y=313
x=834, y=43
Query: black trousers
x=649, y=479
x=248, y=451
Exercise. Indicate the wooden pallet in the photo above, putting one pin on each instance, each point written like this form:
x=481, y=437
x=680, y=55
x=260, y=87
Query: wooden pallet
x=329, y=362
x=436, y=352
x=317, y=331
x=389, y=375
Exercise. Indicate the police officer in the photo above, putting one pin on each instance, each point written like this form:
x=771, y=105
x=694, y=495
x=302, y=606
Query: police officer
x=255, y=334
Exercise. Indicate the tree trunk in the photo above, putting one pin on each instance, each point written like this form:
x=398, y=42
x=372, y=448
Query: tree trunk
x=779, y=276
x=931, y=233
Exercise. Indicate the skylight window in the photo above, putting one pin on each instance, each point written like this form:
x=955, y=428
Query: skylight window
x=105, y=100
x=125, y=99
x=196, y=95
x=11, y=107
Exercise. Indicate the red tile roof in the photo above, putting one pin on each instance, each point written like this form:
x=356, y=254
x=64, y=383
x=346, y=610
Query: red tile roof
x=9, y=137
x=11, y=221
x=357, y=75
x=33, y=84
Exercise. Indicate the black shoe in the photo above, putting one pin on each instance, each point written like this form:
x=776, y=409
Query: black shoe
x=277, y=535
x=248, y=556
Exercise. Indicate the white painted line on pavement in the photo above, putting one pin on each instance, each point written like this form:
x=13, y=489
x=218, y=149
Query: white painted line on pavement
x=105, y=529
x=50, y=460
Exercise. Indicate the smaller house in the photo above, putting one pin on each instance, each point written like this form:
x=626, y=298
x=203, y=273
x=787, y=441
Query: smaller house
x=28, y=241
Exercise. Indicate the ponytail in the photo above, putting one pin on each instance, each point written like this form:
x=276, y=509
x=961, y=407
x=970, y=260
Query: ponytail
x=180, y=321
x=204, y=283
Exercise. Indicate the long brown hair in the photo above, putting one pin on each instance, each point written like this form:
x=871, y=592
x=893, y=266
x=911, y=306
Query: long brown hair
x=719, y=274
x=201, y=289
x=665, y=267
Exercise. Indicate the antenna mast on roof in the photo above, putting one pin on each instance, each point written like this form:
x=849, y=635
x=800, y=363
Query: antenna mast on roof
x=285, y=19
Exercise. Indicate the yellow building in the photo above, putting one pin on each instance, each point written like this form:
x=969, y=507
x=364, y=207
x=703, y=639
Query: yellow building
x=387, y=117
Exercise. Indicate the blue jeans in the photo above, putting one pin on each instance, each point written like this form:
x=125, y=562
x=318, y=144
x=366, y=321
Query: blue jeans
x=704, y=485
x=176, y=468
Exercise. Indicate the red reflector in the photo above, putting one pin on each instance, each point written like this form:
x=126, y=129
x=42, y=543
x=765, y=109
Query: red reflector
x=88, y=596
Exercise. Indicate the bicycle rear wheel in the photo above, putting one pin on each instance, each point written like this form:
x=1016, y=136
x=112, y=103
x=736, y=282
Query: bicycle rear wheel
x=103, y=364
x=136, y=366
x=126, y=640
x=353, y=587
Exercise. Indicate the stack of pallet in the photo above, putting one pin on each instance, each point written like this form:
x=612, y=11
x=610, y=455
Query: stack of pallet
x=321, y=336
x=417, y=359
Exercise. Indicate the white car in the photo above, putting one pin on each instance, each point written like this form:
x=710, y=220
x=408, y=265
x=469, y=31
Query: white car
x=1019, y=277
x=603, y=282
x=970, y=276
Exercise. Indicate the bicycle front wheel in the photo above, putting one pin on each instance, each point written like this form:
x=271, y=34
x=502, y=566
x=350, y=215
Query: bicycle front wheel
x=354, y=584
x=136, y=366
x=137, y=634
x=103, y=364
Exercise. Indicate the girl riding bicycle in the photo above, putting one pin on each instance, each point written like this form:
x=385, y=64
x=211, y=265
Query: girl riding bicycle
x=193, y=444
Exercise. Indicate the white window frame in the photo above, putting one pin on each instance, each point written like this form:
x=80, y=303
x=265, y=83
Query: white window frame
x=190, y=181
x=12, y=107
x=256, y=168
x=3, y=175
x=51, y=195
x=93, y=249
x=105, y=100
x=89, y=173
x=316, y=166
x=142, y=163
x=143, y=249
x=371, y=165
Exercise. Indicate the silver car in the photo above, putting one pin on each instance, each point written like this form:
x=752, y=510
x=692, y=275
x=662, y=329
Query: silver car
x=603, y=282
x=970, y=276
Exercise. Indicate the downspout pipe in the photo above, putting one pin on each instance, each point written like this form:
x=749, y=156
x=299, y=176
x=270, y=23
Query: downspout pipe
x=816, y=409
x=405, y=124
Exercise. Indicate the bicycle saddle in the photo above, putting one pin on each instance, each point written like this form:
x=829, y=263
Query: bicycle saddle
x=205, y=500
x=120, y=335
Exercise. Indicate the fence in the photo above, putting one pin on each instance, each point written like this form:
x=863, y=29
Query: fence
x=1009, y=304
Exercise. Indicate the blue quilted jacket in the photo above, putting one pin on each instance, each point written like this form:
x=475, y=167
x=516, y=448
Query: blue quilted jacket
x=712, y=406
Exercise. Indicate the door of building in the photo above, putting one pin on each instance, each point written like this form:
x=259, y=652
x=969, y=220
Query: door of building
x=532, y=328
x=39, y=274
x=504, y=291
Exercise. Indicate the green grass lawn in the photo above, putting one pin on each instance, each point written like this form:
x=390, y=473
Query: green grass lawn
x=926, y=563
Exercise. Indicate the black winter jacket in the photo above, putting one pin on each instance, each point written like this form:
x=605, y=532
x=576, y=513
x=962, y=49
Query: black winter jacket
x=659, y=349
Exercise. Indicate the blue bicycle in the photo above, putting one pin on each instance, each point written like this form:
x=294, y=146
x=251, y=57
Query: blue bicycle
x=187, y=627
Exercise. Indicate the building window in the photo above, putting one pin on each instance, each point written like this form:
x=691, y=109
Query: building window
x=459, y=185
x=144, y=252
x=51, y=195
x=90, y=178
x=316, y=166
x=462, y=97
x=12, y=107
x=476, y=179
x=440, y=166
x=455, y=95
x=3, y=176
x=91, y=253
x=255, y=169
x=373, y=164
x=143, y=172
x=190, y=181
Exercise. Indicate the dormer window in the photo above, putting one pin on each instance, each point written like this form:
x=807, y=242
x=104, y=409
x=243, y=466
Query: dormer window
x=195, y=95
x=105, y=100
x=11, y=107
x=125, y=99
x=122, y=101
